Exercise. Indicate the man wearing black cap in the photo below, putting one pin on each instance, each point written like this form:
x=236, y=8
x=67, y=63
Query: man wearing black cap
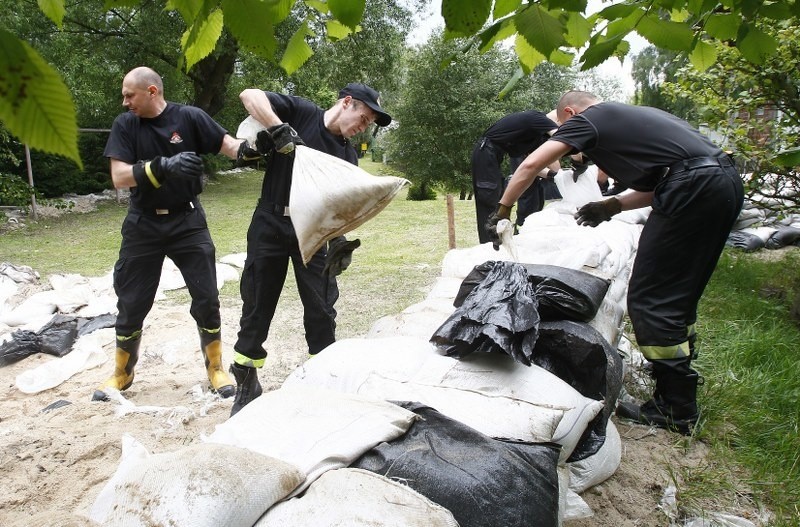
x=271, y=239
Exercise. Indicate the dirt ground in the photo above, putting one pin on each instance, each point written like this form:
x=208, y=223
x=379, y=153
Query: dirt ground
x=56, y=461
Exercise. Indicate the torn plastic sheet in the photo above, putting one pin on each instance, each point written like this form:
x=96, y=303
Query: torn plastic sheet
x=499, y=315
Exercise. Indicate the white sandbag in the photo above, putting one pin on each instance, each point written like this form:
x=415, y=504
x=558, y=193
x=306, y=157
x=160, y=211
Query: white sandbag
x=350, y=365
x=37, y=308
x=345, y=365
x=417, y=320
x=87, y=353
x=331, y=197
x=600, y=466
x=202, y=485
x=580, y=192
x=357, y=497
x=498, y=375
x=496, y=416
x=314, y=429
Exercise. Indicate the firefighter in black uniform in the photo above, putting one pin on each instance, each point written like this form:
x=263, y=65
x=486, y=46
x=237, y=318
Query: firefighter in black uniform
x=696, y=194
x=271, y=239
x=515, y=135
x=153, y=151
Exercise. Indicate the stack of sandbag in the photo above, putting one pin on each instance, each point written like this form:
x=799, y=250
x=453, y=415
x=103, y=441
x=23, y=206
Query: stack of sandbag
x=273, y=449
x=490, y=394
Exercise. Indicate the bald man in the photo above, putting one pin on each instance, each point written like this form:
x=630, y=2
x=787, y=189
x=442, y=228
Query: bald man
x=153, y=150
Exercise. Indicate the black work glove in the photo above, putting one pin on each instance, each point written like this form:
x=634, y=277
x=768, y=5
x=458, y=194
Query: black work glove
x=247, y=155
x=578, y=168
x=285, y=138
x=551, y=174
x=185, y=165
x=503, y=212
x=593, y=214
x=340, y=255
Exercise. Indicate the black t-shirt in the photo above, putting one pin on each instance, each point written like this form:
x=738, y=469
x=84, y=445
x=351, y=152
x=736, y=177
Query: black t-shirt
x=179, y=128
x=308, y=121
x=520, y=133
x=633, y=144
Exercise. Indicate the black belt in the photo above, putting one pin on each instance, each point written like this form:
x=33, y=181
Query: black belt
x=172, y=210
x=694, y=163
x=273, y=208
x=487, y=144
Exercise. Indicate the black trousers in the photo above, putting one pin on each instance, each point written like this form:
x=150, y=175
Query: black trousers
x=146, y=240
x=488, y=183
x=680, y=244
x=271, y=244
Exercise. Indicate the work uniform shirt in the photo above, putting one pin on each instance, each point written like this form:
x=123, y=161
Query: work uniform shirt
x=520, y=133
x=179, y=128
x=308, y=120
x=634, y=144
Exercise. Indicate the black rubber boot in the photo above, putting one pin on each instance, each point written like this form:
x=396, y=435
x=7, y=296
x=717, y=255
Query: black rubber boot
x=126, y=357
x=211, y=345
x=247, y=386
x=674, y=403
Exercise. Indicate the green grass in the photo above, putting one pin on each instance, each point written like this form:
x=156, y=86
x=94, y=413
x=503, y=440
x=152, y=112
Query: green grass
x=749, y=345
x=750, y=357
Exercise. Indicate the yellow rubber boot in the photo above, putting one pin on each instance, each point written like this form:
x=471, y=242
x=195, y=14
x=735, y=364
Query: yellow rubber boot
x=125, y=359
x=221, y=382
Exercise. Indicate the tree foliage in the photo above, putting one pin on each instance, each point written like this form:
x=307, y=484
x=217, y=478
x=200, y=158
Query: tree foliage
x=734, y=96
x=653, y=67
x=445, y=105
x=36, y=106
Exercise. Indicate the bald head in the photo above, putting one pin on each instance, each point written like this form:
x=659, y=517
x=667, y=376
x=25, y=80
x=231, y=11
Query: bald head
x=143, y=92
x=143, y=77
x=574, y=102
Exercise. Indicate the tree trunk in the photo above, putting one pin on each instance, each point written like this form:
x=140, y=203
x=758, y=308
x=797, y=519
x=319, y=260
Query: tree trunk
x=210, y=76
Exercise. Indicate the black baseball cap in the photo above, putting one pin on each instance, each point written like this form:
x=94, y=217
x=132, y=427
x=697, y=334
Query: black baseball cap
x=368, y=96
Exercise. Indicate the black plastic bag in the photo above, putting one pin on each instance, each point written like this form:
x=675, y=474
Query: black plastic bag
x=484, y=482
x=55, y=338
x=562, y=293
x=499, y=315
x=23, y=344
x=580, y=356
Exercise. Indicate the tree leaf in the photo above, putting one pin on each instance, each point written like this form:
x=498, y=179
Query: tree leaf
x=789, y=157
x=703, y=56
x=54, y=10
x=599, y=52
x=755, y=45
x=529, y=57
x=318, y=5
x=252, y=22
x=578, y=30
x=574, y=6
x=35, y=104
x=336, y=30
x=465, y=17
x=297, y=51
x=541, y=29
x=515, y=78
x=348, y=12
x=505, y=7
x=615, y=11
x=665, y=33
x=495, y=33
x=200, y=39
x=723, y=26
